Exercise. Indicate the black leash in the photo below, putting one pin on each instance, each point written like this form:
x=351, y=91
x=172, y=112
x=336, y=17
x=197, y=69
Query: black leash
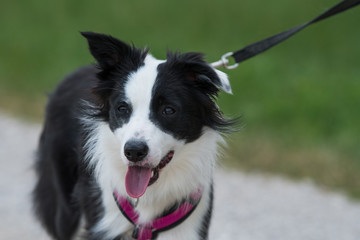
x=263, y=45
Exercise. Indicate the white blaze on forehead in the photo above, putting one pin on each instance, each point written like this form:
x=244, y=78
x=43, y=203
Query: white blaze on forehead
x=140, y=84
x=138, y=91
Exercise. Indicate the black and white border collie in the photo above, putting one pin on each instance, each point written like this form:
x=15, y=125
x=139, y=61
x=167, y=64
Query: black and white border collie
x=129, y=146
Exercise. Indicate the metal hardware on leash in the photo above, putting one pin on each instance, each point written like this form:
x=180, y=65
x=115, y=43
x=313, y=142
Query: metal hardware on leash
x=223, y=62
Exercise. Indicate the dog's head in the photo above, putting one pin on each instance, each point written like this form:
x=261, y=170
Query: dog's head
x=154, y=107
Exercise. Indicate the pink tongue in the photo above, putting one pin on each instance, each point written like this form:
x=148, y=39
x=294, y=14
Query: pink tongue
x=136, y=181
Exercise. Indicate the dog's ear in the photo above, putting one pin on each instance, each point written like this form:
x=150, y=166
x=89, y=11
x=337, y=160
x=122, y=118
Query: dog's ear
x=202, y=73
x=224, y=81
x=108, y=51
x=221, y=80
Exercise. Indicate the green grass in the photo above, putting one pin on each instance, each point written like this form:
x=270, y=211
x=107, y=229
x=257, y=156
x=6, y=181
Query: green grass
x=300, y=101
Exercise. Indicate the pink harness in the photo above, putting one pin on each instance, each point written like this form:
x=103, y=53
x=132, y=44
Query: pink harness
x=165, y=222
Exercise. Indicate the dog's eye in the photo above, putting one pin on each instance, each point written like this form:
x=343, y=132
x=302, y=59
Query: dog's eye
x=124, y=109
x=167, y=111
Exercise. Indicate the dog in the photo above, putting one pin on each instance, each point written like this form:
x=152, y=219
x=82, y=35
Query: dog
x=129, y=146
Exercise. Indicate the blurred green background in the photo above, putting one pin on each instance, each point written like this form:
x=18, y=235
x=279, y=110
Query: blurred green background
x=300, y=101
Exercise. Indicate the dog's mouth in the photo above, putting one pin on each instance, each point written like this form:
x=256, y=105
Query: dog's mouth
x=138, y=178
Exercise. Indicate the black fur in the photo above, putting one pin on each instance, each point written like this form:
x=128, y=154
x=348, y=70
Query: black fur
x=188, y=80
x=58, y=156
x=204, y=233
x=116, y=61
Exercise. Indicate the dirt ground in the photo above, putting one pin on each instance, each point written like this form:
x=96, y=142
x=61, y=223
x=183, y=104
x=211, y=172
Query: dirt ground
x=247, y=206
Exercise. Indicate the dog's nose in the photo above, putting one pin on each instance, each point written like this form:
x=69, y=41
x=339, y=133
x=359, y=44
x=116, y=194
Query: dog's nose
x=135, y=151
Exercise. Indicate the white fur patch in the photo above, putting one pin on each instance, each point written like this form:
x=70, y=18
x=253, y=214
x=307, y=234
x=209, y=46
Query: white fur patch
x=139, y=91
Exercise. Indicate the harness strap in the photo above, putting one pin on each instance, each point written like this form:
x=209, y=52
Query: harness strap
x=165, y=222
x=263, y=45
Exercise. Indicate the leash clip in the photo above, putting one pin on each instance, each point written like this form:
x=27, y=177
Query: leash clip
x=224, y=62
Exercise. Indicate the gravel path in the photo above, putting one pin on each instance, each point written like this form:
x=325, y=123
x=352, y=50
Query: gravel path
x=247, y=206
